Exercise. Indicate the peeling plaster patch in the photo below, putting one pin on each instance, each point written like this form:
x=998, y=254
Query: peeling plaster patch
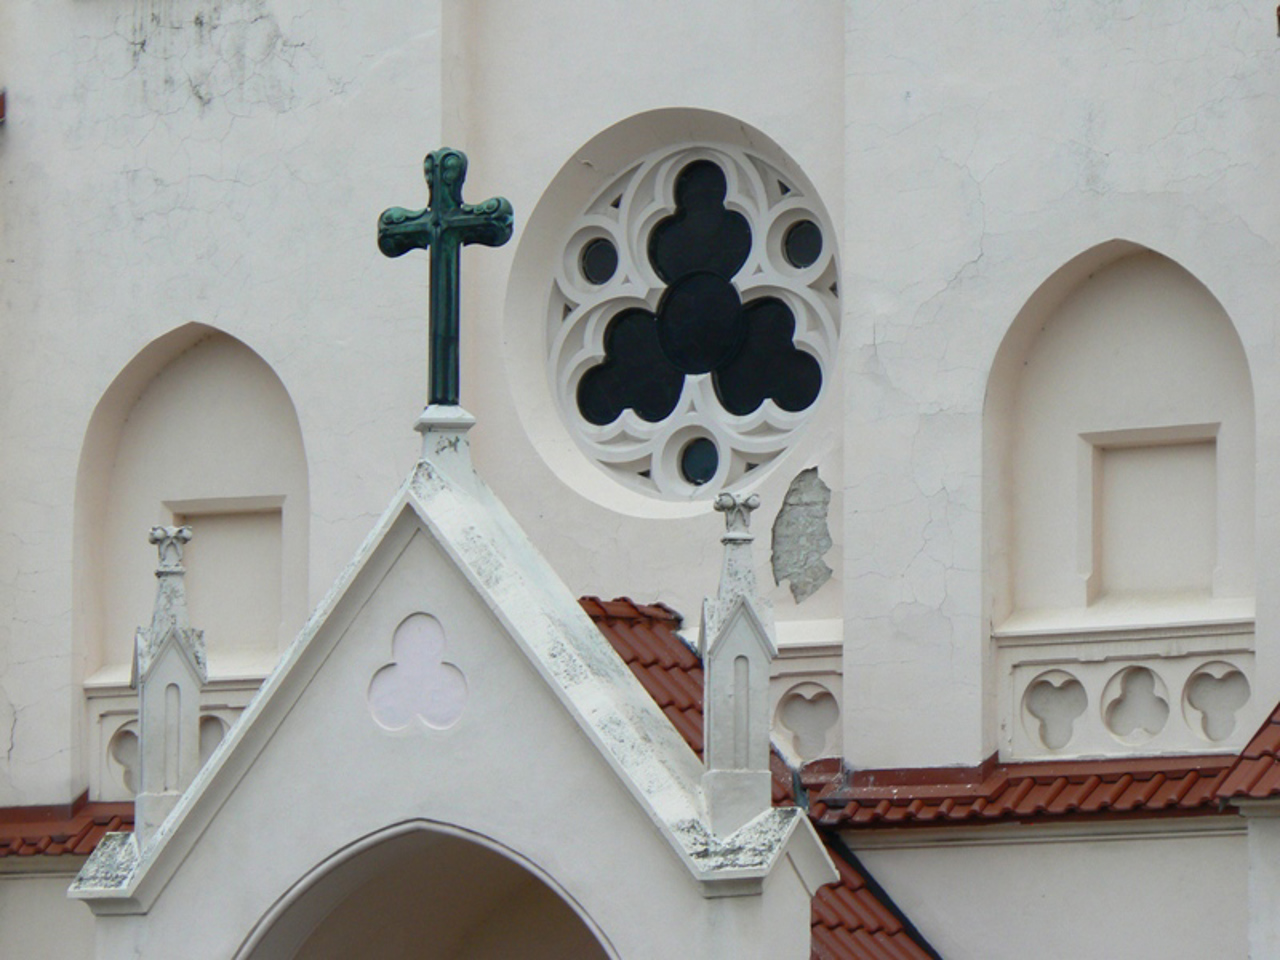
x=801, y=536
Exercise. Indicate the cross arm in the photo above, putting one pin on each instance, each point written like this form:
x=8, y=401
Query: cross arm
x=401, y=230
x=487, y=223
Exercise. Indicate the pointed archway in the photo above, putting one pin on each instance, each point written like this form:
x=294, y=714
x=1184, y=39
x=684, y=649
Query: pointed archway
x=425, y=891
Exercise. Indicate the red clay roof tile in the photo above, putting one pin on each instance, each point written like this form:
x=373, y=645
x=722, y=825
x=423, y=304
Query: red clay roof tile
x=74, y=828
x=1029, y=792
x=851, y=919
x=1256, y=773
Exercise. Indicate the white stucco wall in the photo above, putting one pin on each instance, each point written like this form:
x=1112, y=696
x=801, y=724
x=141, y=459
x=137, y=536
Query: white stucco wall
x=38, y=920
x=222, y=162
x=167, y=162
x=986, y=146
x=980, y=897
x=320, y=771
x=987, y=151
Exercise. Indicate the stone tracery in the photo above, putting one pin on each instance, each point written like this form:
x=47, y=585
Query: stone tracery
x=693, y=319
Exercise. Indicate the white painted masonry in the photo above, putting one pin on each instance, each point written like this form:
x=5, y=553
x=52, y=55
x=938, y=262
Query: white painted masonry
x=1051, y=433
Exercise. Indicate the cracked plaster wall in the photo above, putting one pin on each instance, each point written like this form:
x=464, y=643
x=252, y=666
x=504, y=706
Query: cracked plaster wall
x=224, y=161
x=985, y=147
x=168, y=161
x=634, y=78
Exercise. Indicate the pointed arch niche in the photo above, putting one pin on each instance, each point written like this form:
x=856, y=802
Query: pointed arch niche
x=1119, y=465
x=197, y=429
x=430, y=892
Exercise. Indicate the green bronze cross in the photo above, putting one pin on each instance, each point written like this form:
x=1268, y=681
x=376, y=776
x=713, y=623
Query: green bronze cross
x=446, y=225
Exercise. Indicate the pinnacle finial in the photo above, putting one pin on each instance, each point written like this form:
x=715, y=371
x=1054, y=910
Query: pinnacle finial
x=737, y=511
x=737, y=650
x=169, y=542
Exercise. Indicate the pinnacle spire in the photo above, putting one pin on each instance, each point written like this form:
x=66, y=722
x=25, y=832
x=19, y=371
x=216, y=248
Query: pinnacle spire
x=737, y=570
x=169, y=615
x=169, y=671
x=737, y=651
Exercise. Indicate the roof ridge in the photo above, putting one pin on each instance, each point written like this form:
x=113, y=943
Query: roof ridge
x=624, y=608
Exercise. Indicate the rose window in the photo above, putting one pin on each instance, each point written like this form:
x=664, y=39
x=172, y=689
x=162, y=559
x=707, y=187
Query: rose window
x=693, y=322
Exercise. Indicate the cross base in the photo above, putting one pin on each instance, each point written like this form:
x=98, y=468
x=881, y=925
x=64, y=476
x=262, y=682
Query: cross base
x=445, y=443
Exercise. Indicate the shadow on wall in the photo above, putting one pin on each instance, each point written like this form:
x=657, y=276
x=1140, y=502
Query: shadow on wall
x=419, y=891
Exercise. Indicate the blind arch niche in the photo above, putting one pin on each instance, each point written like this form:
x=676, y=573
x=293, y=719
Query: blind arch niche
x=1120, y=430
x=197, y=429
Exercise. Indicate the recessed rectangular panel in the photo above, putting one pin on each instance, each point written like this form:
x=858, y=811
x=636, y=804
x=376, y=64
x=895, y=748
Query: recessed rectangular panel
x=234, y=582
x=1158, y=529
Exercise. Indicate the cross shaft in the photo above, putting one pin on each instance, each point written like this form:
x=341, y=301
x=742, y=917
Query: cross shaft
x=443, y=228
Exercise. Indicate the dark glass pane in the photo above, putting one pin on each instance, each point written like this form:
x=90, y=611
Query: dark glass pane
x=769, y=365
x=702, y=234
x=802, y=244
x=699, y=460
x=635, y=374
x=700, y=322
x=599, y=260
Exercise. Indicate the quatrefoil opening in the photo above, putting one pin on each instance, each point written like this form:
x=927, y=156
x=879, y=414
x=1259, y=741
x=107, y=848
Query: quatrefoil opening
x=417, y=683
x=701, y=326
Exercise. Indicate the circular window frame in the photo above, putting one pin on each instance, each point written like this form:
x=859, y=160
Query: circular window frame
x=647, y=150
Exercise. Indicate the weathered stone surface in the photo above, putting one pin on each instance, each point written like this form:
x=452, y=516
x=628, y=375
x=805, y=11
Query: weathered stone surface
x=111, y=866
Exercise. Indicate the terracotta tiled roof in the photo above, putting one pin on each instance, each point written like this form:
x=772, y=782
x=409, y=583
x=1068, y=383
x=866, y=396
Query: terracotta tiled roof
x=854, y=918
x=1049, y=790
x=851, y=919
x=73, y=828
x=645, y=637
x=1255, y=775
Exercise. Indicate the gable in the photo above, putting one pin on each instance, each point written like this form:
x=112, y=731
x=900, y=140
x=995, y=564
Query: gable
x=537, y=702
x=334, y=775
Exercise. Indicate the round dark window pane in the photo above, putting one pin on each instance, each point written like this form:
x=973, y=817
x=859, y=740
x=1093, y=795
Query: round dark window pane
x=699, y=460
x=802, y=244
x=599, y=260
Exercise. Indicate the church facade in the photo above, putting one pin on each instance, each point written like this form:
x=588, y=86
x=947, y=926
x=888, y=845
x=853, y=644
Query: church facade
x=969, y=310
